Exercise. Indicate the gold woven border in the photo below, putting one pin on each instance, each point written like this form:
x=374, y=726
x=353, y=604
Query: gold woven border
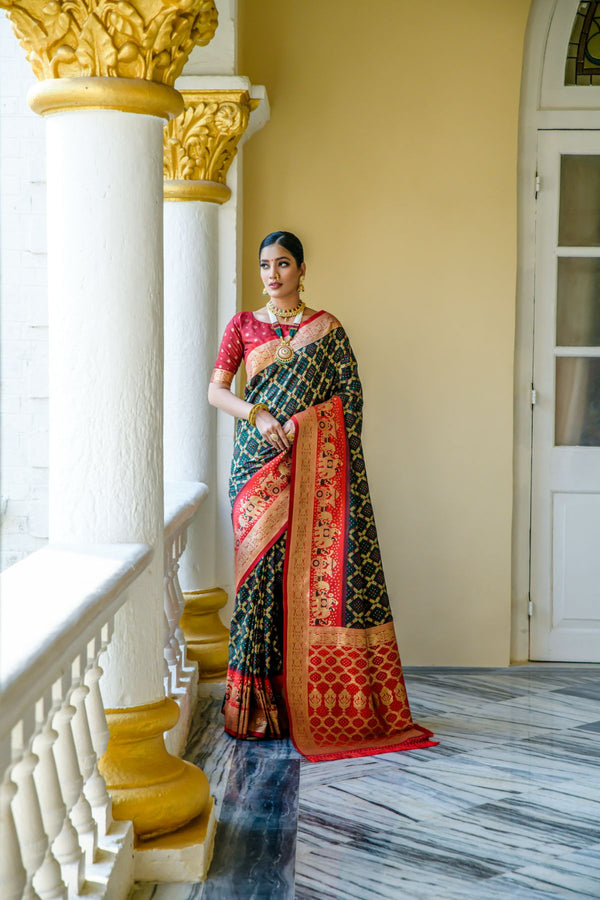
x=255, y=543
x=326, y=636
x=221, y=376
x=298, y=576
x=263, y=355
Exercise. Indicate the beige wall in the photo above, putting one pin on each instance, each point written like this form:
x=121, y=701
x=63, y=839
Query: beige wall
x=391, y=151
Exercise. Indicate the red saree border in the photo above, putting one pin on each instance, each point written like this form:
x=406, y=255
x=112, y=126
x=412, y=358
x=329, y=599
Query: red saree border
x=343, y=686
x=254, y=706
x=260, y=514
x=313, y=329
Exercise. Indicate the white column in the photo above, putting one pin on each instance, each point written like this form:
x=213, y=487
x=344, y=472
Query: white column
x=191, y=294
x=201, y=245
x=105, y=277
x=105, y=316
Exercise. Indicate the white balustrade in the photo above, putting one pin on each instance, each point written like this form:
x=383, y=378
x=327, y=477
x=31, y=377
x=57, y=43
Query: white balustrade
x=56, y=614
x=182, y=501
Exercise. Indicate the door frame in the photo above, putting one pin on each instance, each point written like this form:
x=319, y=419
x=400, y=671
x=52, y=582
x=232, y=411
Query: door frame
x=545, y=104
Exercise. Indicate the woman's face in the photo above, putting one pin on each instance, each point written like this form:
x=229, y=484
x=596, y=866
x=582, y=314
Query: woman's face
x=280, y=273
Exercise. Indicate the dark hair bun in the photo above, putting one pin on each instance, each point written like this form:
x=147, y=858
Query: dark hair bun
x=287, y=240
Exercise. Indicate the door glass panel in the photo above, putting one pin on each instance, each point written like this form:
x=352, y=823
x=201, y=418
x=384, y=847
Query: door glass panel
x=578, y=302
x=579, y=219
x=577, y=420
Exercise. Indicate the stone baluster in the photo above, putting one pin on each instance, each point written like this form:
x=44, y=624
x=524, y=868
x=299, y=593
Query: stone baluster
x=189, y=669
x=172, y=648
x=99, y=799
x=171, y=658
x=94, y=786
x=80, y=724
x=70, y=853
x=12, y=872
x=78, y=804
x=94, y=704
x=40, y=864
x=53, y=809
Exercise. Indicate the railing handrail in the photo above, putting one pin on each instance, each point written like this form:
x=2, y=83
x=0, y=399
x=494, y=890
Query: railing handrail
x=182, y=499
x=52, y=601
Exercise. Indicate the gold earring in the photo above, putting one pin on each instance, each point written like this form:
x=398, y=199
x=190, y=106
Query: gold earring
x=265, y=291
x=301, y=284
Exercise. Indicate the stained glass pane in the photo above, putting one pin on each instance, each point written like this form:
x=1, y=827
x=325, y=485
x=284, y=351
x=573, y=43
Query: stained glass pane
x=583, y=55
x=578, y=302
x=577, y=421
x=579, y=219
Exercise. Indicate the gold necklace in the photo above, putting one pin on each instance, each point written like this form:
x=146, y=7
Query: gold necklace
x=285, y=313
x=284, y=353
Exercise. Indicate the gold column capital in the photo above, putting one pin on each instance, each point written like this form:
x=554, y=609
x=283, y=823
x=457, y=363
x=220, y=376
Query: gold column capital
x=201, y=142
x=145, y=39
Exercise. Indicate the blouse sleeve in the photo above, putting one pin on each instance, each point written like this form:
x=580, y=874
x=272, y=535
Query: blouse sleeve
x=230, y=355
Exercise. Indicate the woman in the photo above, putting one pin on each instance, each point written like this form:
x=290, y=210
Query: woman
x=312, y=645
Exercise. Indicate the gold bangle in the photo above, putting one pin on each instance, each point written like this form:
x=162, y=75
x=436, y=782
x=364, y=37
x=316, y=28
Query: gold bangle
x=256, y=408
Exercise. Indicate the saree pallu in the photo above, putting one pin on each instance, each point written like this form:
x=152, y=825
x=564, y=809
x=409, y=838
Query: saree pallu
x=312, y=644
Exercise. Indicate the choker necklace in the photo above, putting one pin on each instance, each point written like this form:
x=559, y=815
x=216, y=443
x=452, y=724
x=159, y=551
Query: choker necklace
x=284, y=353
x=285, y=313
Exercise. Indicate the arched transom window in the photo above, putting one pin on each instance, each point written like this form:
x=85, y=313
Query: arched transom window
x=583, y=54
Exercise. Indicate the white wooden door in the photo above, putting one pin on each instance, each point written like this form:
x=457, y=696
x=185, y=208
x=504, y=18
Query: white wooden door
x=565, y=527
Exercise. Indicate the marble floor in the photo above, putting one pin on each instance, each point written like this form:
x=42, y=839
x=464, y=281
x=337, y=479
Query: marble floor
x=507, y=806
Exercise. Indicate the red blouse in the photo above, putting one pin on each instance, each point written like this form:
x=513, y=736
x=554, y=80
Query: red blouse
x=243, y=334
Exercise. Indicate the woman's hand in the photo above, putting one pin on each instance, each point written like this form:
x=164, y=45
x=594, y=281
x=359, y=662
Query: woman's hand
x=290, y=430
x=272, y=431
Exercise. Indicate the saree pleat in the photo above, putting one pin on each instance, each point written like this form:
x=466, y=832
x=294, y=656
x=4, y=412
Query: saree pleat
x=254, y=706
x=312, y=642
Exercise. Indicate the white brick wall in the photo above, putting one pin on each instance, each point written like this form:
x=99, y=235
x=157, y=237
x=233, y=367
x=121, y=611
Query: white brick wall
x=23, y=312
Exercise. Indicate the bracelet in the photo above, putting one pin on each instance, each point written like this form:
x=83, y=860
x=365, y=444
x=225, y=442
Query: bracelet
x=256, y=408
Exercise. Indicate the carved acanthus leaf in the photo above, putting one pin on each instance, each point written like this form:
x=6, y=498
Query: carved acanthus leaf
x=201, y=143
x=149, y=39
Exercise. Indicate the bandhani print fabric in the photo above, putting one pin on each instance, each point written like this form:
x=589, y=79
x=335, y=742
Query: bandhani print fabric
x=312, y=645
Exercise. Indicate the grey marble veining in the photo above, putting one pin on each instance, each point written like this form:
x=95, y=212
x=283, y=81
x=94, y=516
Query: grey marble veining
x=575, y=874
x=208, y=746
x=548, y=709
x=506, y=807
x=562, y=747
x=589, y=726
x=184, y=891
x=256, y=836
x=591, y=690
